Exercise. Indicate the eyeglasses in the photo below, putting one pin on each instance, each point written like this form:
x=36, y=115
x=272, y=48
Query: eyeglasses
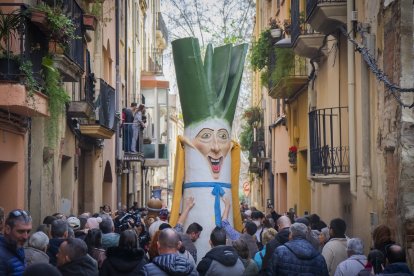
x=17, y=213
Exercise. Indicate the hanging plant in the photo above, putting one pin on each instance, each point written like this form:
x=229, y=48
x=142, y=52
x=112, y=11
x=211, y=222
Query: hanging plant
x=57, y=98
x=61, y=28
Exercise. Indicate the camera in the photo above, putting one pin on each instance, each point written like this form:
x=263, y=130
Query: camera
x=127, y=220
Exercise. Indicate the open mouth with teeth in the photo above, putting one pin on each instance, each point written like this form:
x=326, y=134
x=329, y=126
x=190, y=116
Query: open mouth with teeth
x=215, y=164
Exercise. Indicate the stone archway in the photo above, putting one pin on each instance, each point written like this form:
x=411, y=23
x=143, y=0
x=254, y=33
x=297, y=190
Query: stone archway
x=107, y=185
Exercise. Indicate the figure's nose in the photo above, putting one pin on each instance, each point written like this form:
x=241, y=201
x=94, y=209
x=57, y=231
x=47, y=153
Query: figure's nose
x=215, y=148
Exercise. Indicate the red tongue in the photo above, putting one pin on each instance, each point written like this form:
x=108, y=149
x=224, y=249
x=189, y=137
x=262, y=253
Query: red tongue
x=216, y=168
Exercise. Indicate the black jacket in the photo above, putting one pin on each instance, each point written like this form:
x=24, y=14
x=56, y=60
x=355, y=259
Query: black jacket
x=226, y=255
x=169, y=264
x=281, y=238
x=397, y=269
x=120, y=261
x=82, y=266
x=53, y=249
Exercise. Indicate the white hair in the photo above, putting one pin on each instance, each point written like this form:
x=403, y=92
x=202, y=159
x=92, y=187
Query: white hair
x=299, y=229
x=356, y=246
x=39, y=240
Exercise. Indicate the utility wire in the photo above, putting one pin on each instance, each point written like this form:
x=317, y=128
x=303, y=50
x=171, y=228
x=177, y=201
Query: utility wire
x=379, y=74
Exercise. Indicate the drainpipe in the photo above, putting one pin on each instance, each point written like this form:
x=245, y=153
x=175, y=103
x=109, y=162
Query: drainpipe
x=351, y=101
x=118, y=142
x=126, y=88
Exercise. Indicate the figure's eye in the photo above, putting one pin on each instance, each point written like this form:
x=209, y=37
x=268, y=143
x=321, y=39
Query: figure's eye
x=205, y=135
x=223, y=134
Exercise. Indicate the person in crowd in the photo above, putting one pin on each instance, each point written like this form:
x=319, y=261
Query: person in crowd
x=59, y=216
x=221, y=259
x=136, y=126
x=81, y=232
x=93, y=222
x=312, y=237
x=184, y=253
x=247, y=215
x=169, y=262
x=1, y=220
x=316, y=223
x=323, y=237
x=162, y=218
x=73, y=260
x=44, y=228
x=73, y=222
x=18, y=225
x=126, y=258
x=375, y=263
x=193, y=230
x=106, y=210
x=396, y=261
x=93, y=241
x=42, y=269
x=283, y=224
x=35, y=252
x=381, y=237
x=249, y=231
x=356, y=259
x=250, y=267
x=268, y=235
x=153, y=246
x=297, y=256
x=144, y=238
x=334, y=250
x=59, y=232
x=109, y=237
x=258, y=218
x=273, y=214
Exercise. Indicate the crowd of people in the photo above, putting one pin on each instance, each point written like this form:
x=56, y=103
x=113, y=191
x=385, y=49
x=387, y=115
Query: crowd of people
x=140, y=242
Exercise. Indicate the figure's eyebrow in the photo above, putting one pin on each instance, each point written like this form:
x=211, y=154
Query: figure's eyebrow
x=204, y=129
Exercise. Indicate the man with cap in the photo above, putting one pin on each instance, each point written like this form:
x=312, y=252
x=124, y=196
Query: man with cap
x=73, y=223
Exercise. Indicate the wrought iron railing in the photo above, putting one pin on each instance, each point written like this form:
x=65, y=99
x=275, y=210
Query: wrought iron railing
x=71, y=9
x=311, y=5
x=20, y=44
x=328, y=137
x=154, y=60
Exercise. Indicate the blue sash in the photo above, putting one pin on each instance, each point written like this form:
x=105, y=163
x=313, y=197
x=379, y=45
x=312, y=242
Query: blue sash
x=217, y=192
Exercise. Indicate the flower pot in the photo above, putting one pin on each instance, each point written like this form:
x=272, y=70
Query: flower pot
x=276, y=32
x=90, y=22
x=39, y=19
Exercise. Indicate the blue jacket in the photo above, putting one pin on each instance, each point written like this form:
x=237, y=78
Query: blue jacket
x=397, y=268
x=169, y=264
x=298, y=257
x=11, y=259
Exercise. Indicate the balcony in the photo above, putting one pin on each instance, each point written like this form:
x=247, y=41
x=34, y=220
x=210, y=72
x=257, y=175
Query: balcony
x=127, y=140
x=295, y=78
x=69, y=60
x=326, y=15
x=83, y=97
x=329, y=147
x=305, y=41
x=161, y=32
x=20, y=64
x=101, y=125
x=14, y=98
x=154, y=61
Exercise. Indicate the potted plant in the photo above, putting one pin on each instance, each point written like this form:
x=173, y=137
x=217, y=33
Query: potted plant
x=274, y=25
x=9, y=62
x=293, y=151
x=58, y=26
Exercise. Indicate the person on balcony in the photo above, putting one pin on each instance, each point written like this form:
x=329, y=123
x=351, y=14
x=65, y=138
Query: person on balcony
x=128, y=119
x=136, y=126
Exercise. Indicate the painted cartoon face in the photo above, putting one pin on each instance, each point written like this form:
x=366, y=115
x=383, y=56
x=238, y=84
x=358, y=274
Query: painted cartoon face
x=214, y=146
